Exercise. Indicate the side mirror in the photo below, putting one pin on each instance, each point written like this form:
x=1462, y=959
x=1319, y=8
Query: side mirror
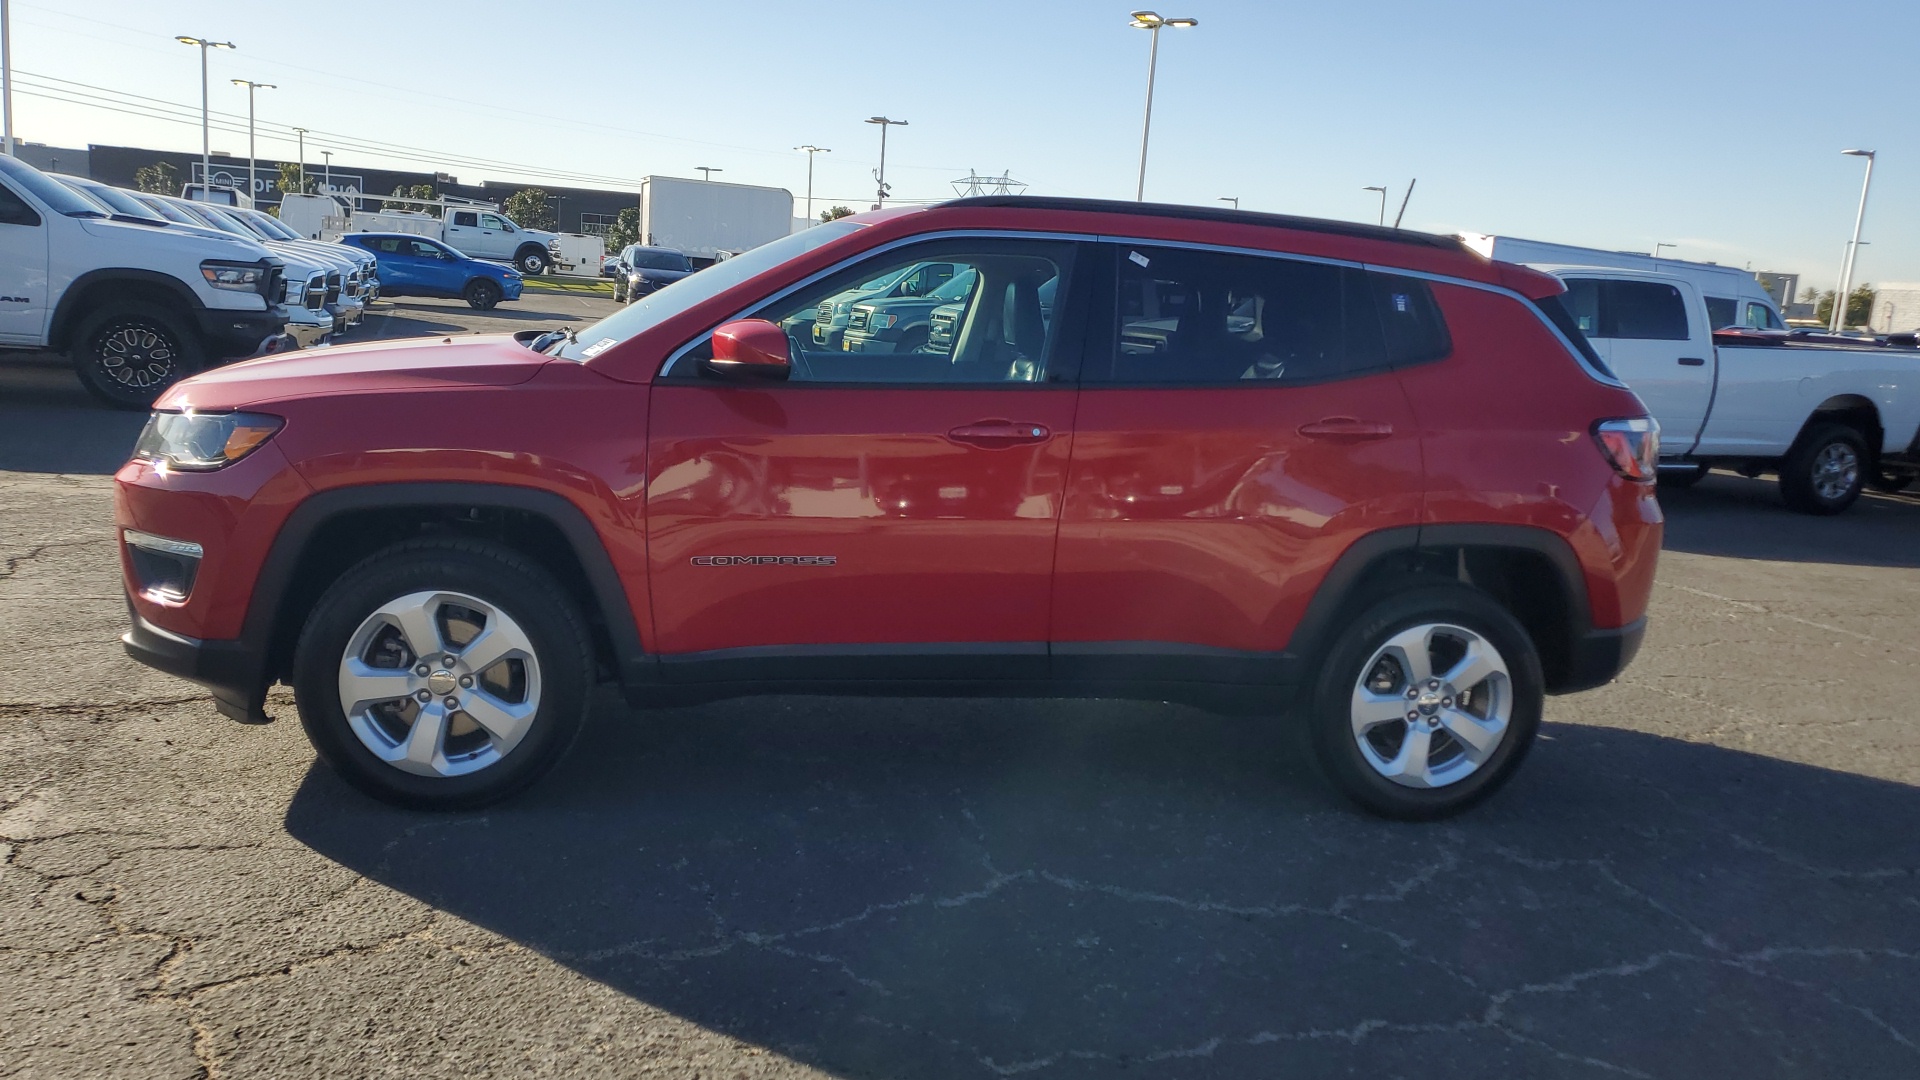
x=750, y=349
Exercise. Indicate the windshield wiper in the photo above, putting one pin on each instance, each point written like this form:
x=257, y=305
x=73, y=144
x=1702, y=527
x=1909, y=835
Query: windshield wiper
x=86, y=214
x=547, y=341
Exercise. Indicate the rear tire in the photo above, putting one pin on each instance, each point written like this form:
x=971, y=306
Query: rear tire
x=128, y=355
x=531, y=261
x=481, y=294
x=1825, y=470
x=1388, y=662
x=495, y=725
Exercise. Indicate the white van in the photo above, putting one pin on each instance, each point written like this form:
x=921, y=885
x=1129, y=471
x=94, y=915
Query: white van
x=1734, y=297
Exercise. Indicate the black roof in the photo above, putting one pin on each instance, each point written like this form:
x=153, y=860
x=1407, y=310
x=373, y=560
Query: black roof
x=1211, y=213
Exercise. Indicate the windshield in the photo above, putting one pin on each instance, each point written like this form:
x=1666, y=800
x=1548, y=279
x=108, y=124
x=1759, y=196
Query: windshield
x=214, y=219
x=955, y=289
x=655, y=308
x=117, y=201
x=658, y=260
x=270, y=225
x=58, y=197
x=171, y=213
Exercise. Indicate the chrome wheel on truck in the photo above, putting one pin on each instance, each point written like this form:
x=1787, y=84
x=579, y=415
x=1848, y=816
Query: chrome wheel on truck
x=1825, y=470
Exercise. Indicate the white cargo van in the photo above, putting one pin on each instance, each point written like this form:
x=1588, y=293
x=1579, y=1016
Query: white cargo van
x=1734, y=297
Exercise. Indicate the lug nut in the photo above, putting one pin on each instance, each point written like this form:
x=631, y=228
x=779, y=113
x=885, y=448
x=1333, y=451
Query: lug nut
x=1446, y=703
x=1413, y=692
x=449, y=660
x=466, y=680
x=422, y=671
x=1413, y=716
x=453, y=703
x=1433, y=684
x=424, y=696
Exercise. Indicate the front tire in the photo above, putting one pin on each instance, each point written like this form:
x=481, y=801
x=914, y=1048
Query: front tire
x=1825, y=470
x=481, y=294
x=1427, y=703
x=490, y=641
x=532, y=261
x=129, y=354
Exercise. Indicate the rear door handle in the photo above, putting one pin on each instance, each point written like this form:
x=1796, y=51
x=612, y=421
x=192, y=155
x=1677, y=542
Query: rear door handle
x=994, y=434
x=1692, y=361
x=1346, y=429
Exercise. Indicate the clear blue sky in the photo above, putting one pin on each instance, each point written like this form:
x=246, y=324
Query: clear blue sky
x=1714, y=125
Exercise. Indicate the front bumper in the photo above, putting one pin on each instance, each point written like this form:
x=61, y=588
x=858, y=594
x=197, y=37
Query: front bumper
x=231, y=334
x=308, y=327
x=1598, y=656
x=231, y=670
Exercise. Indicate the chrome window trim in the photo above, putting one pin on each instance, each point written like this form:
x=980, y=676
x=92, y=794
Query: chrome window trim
x=1572, y=351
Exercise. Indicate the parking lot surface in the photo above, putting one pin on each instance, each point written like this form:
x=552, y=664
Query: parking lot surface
x=1708, y=869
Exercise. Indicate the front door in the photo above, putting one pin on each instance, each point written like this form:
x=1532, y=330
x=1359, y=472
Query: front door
x=1240, y=424
x=879, y=515
x=23, y=271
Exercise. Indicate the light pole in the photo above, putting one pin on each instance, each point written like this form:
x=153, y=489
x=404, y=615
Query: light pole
x=1151, y=22
x=6, y=73
x=705, y=172
x=1381, y=188
x=206, y=139
x=1657, y=247
x=1853, y=247
x=880, y=174
x=253, y=184
x=1234, y=199
x=326, y=174
x=811, y=150
x=302, y=134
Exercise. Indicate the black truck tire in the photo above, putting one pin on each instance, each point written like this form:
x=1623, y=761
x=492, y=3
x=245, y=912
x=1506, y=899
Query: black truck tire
x=128, y=354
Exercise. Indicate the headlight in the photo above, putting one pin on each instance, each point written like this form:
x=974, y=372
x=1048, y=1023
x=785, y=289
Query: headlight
x=882, y=322
x=202, y=442
x=240, y=277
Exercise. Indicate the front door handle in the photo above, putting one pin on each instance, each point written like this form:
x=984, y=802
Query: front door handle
x=996, y=434
x=1693, y=361
x=1346, y=429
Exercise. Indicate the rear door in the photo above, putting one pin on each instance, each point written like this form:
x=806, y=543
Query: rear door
x=1240, y=425
x=877, y=515
x=1662, y=352
x=464, y=234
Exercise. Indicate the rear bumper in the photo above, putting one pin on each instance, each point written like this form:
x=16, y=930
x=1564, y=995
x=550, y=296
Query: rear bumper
x=231, y=670
x=1598, y=656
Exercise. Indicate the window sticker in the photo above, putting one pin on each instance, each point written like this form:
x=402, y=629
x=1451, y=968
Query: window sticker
x=1401, y=304
x=1137, y=258
x=599, y=347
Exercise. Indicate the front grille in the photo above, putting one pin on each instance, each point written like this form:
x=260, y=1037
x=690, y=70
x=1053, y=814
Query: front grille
x=858, y=320
x=352, y=286
x=274, y=285
x=315, y=294
x=334, y=285
x=824, y=316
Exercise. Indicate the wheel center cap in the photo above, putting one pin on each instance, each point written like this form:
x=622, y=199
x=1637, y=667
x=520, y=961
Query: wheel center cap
x=1429, y=702
x=442, y=682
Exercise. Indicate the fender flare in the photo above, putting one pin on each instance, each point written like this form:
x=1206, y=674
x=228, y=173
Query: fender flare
x=68, y=312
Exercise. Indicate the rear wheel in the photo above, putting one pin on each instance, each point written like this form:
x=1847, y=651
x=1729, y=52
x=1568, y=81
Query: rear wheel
x=128, y=355
x=1427, y=703
x=1825, y=470
x=481, y=294
x=443, y=674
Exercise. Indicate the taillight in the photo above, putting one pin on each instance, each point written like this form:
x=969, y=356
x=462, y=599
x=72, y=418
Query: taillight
x=1632, y=447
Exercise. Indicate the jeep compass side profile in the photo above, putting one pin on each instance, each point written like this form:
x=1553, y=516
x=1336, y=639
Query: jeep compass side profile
x=1255, y=463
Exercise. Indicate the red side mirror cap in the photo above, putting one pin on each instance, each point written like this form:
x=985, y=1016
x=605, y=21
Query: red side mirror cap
x=750, y=349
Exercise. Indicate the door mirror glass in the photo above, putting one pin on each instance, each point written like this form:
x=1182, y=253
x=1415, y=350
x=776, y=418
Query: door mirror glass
x=750, y=349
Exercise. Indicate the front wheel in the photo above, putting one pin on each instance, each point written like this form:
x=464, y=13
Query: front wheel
x=1825, y=470
x=443, y=674
x=1427, y=703
x=481, y=294
x=532, y=262
x=128, y=355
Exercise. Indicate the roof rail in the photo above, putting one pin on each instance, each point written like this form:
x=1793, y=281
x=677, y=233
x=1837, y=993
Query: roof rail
x=1210, y=213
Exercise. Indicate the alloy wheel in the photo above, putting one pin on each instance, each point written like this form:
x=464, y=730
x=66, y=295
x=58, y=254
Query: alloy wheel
x=1836, y=469
x=1432, y=705
x=137, y=355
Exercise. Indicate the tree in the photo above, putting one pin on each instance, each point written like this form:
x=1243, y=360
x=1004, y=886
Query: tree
x=1859, y=307
x=530, y=209
x=625, y=230
x=290, y=180
x=417, y=191
x=833, y=212
x=158, y=178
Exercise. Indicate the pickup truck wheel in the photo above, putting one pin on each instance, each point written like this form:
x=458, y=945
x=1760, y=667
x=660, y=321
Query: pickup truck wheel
x=1882, y=480
x=1427, y=703
x=481, y=294
x=531, y=261
x=1825, y=470
x=129, y=354
x=443, y=674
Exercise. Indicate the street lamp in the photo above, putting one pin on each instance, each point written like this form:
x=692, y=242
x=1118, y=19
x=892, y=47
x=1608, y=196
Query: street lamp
x=252, y=183
x=1383, y=201
x=1234, y=199
x=880, y=174
x=811, y=150
x=301, y=133
x=1839, y=322
x=206, y=139
x=705, y=172
x=6, y=74
x=1151, y=22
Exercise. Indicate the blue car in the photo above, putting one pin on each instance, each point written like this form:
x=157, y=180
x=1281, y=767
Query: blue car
x=417, y=266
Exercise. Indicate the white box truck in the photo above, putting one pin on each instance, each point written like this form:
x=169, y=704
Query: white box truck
x=709, y=220
x=1734, y=297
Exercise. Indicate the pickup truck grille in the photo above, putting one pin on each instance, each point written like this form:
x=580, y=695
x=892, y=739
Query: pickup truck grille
x=334, y=285
x=858, y=320
x=273, y=286
x=314, y=296
x=351, y=288
x=824, y=316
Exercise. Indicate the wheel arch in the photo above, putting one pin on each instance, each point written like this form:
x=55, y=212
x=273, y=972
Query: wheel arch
x=1852, y=410
x=333, y=530
x=109, y=285
x=1530, y=571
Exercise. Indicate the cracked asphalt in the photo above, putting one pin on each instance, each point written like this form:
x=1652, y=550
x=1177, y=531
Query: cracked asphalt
x=1709, y=869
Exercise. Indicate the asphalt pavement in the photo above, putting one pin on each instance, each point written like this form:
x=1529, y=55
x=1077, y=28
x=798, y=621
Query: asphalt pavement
x=1710, y=868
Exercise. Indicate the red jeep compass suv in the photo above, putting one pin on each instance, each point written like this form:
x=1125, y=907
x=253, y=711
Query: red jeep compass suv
x=1243, y=461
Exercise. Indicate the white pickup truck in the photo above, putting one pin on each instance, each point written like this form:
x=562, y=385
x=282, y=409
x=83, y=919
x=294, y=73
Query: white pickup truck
x=1826, y=419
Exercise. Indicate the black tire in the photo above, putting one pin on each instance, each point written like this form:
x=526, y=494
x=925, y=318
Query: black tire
x=481, y=294
x=494, y=575
x=1811, y=473
x=1338, y=748
x=531, y=261
x=1889, y=482
x=1681, y=478
x=128, y=355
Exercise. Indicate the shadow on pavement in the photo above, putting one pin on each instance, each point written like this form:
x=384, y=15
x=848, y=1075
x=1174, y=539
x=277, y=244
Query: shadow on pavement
x=1733, y=516
x=971, y=889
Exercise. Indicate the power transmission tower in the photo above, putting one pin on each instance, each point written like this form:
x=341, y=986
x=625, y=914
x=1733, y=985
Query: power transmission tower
x=975, y=184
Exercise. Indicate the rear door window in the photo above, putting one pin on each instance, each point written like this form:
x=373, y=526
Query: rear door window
x=1643, y=310
x=467, y=219
x=1720, y=312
